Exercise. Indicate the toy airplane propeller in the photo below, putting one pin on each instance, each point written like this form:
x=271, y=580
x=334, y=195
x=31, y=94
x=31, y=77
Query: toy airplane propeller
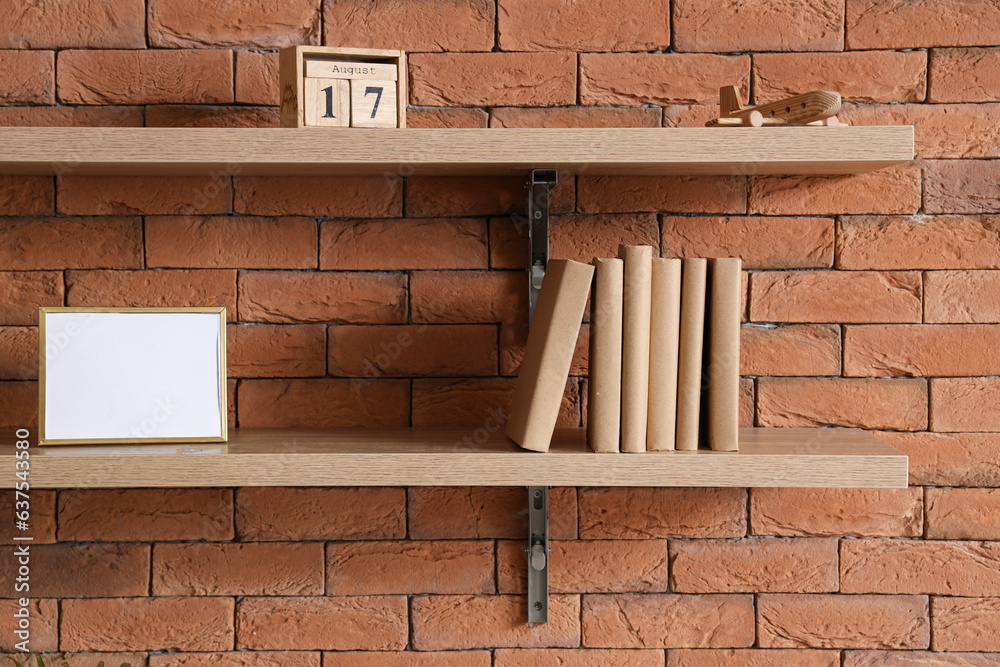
x=818, y=107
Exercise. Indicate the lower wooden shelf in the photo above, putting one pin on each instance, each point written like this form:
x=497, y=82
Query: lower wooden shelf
x=846, y=458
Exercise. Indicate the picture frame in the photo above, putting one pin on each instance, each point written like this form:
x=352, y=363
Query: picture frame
x=132, y=375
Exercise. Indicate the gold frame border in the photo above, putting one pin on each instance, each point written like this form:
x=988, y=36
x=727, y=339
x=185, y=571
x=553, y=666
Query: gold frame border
x=223, y=384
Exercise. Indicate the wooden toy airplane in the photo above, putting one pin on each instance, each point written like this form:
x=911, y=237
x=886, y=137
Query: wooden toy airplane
x=819, y=107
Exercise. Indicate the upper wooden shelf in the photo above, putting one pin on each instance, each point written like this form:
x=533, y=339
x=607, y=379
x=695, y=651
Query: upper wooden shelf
x=844, y=458
x=351, y=151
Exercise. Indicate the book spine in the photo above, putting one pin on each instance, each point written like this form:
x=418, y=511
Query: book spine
x=605, y=386
x=664, y=343
x=693, y=282
x=724, y=356
x=635, y=345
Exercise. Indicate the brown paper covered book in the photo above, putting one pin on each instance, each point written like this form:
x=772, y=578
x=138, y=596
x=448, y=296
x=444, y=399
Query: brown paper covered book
x=724, y=356
x=605, y=387
x=693, y=283
x=664, y=341
x=635, y=344
x=549, y=353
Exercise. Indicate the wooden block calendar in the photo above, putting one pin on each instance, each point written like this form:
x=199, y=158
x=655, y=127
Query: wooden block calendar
x=342, y=87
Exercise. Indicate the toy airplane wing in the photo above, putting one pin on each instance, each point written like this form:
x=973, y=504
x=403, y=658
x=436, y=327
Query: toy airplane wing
x=819, y=107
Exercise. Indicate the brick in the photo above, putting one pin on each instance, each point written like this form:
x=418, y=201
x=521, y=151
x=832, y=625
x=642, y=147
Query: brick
x=25, y=291
x=752, y=657
x=135, y=515
x=288, y=514
x=43, y=514
x=255, y=24
x=837, y=512
x=909, y=567
x=44, y=625
x=74, y=23
x=275, y=568
x=115, y=116
x=80, y=570
x=479, y=402
x=681, y=194
x=747, y=402
x=403, y=244
x=35, y=79
x=754, y=565
x=440, y=297
x=961, y=186
x=575, y=116
x=598, y=566
x=323, y=403
x=18, y=353
x=189, y=115
x=923, y=350
x=341, y=624
x=462, y=25
x=152, y=289
x=897, y=404
x=963, y=514
x=835, y=296
x=265, y=350
x=449, y=513
x=965, y=624
x=888, y=191
x=633, y=79
x=762, y=243
x=256, y=78
x=962, y=296
x=888, y=24
x=964, y=404
x=552, y=25
x=114, y=658
x=410, y=567
x=759, y=26
x=446, y=622
x=432, y=196
x=689, y=115
x=492, y=79
x=964, y=75
x=949, y=459
x=843, y=621
x=908, y=658
x=334, y=196
x=859, y=76
x=668, y=621
x=939, y=130
x=237, y=659
x=446, y=117
x=918, y=242
x=145, y=77
x=20, y=401
x=625, y=513
x=790, y=350
x=231, y=242
x=460, y=350
x=71, y=243
x=407, y=658
x=514, y=337
x=144, y=195
x=27, y=195
x=148, y=624
x=570, y=657
x=336, y=298
x=576, y=237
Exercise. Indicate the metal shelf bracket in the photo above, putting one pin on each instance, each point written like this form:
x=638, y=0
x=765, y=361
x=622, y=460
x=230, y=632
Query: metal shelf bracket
x=538, y=554
x=540, y=184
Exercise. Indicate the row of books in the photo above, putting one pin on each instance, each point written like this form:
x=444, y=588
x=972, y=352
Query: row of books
x=664, y=353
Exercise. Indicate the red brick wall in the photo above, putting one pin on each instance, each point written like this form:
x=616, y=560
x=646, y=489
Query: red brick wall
x=880, y=292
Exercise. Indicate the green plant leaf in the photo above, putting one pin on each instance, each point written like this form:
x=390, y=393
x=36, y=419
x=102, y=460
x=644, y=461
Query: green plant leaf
x=39, y=659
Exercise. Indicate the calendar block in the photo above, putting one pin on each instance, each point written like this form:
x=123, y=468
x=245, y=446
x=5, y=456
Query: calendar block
x=327, y=103
x=373, y=103
x=309, y=98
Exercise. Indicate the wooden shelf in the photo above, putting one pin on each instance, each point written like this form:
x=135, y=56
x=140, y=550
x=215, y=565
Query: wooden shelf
x=352, y=151
x=443, y=457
